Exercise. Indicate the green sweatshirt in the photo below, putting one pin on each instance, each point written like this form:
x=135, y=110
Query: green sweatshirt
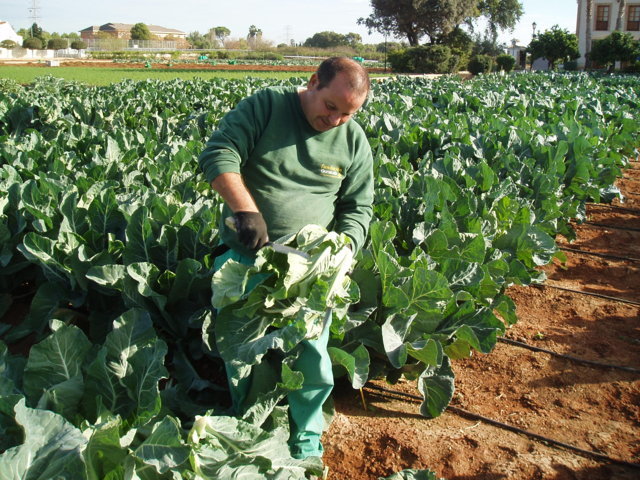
x=296, y=175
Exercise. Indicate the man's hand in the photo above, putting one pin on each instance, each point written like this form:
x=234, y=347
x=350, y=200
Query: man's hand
x=252, y=229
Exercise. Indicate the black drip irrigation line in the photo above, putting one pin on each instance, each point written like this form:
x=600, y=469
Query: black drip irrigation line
x=603, y=255
x=598, y=295
x=612, y=227
x=591, y=363
x=614, y=207
x=506, y=426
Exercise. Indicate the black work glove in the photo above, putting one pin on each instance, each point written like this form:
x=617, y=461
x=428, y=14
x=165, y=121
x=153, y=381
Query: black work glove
x=251, y=228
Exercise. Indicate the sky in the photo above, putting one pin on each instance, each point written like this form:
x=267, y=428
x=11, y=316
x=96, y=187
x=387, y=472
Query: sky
x=280, y=21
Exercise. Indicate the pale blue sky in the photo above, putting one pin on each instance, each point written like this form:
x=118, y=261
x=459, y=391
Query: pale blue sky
x=279, y=21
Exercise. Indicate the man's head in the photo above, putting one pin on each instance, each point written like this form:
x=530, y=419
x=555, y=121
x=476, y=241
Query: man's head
x=334, y=93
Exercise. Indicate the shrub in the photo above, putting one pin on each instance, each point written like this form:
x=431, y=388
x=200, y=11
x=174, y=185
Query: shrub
x=617, y=46
x=32, y=43
x=480, y=64
x=505, y=62
x=424, y=59
x=78, y=45
x=570, y=65
x=8, y=44
x=57, y=44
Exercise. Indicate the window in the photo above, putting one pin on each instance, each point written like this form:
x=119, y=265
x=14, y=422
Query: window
x=602, y=17
x=633, y=18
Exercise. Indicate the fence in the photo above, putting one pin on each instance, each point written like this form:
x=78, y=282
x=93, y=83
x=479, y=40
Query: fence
x=112, y=44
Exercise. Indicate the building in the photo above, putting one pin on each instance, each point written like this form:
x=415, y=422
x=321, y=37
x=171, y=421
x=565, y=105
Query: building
x=8, y=33
x=518, y=52
x=606, y=17
x=116, y=36
x=123, y=31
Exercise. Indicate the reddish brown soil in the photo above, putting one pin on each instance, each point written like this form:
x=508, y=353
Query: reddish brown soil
x=596, y=409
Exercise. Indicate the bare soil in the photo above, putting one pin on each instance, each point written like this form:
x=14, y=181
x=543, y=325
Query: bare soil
x=593, y=408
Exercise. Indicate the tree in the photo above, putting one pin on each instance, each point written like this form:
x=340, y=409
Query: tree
x=505, y=62
x=587, y=34
x=254, y=36
x=500, y=15
x=140, y=32
x=486, y=45
x=78, y=45
x=353, y=39
x=414, y=19
x=36, y=32
x=616, y=47
x=32, y=43
x=57, y=44
x=328, y=39
x=199, y=41
x=221, y=33
x=621, y=11
x=555, y=45
x=435, y=19
x=388, y=46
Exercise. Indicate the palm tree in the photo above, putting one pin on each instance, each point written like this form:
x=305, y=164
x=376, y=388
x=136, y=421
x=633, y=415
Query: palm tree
x=255, y=34
x=621, y=11
x=587, y=35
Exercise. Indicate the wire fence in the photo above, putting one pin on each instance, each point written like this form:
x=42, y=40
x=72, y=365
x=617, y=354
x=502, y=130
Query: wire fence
x=125, y=44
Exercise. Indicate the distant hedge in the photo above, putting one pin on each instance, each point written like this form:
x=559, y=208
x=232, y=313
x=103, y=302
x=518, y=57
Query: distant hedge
x=424, y=59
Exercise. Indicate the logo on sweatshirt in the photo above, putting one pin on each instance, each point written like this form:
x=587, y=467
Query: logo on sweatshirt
x=330, y=171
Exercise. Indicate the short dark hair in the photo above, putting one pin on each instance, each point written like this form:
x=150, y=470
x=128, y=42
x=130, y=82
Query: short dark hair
x=358, y=76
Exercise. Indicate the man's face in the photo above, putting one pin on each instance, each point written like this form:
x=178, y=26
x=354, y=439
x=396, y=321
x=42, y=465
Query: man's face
x=332, y=105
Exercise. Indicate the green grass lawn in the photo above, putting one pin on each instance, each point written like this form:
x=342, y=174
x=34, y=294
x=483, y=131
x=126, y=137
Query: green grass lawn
x=106, y=76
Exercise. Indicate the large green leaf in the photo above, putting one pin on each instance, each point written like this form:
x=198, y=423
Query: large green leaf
x=53, y=375
x=164, y=449
x=226, y=447
x=436, y=386
x=103, y=454
x=356, y=363
x=52, y=448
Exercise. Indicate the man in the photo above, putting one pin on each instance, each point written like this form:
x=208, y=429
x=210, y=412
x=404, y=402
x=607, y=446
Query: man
x=282, y=159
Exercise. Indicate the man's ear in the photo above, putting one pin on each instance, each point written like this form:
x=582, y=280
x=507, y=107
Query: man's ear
x=313, y=81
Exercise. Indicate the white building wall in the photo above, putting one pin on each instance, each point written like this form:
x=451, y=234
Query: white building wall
x=8, y=33
x=26, y=54
x=581, y=23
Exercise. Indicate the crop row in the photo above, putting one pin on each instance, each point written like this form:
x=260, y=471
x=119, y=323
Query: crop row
x=107, y=228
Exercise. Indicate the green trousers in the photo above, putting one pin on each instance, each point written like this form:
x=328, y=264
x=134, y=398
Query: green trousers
x=306, y=420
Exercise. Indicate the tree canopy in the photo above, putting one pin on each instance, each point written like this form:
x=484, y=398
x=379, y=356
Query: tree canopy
x=435, y=19
x=32, y=43
x=199, y=41
x=617, y=46
x=500, y=15
x=555, y=45
x=329, y=39
x=57, y=44
x=8, y=44
x=140, y=32
x=221, y=33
